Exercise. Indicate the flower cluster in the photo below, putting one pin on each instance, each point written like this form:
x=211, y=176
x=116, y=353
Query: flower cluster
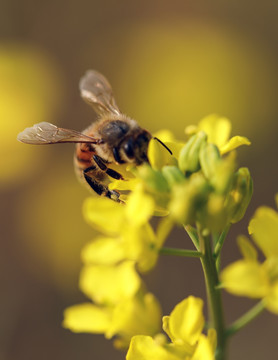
x=184, y=327
x=195, y=184
x=250, y=277
x=121, y=305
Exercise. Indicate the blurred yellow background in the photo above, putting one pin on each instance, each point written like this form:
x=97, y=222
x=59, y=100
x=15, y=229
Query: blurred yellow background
x=170, y=64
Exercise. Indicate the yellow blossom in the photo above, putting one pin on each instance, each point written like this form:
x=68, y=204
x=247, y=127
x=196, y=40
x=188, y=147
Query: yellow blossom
x=249, y=277
x=87, y=318
x=103, y=251
x=264, y=230
x=109, y=284
x=218, y=130
x=185, y=323
x=139, y=314
x=128, y=224
x=158, y=155
x=184, y=327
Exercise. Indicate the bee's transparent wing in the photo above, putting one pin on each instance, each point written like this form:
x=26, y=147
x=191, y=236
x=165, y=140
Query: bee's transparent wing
x=46, y=133
x=97, y=92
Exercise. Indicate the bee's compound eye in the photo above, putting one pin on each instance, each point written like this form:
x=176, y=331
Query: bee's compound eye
x=142, y=139
x=129, y=148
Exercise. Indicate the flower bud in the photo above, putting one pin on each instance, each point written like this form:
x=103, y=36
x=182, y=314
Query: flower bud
x=209, y=159
x=187, y=198
x=173, y=175
x=189, y=155
x=240, y=194
x=154, y=180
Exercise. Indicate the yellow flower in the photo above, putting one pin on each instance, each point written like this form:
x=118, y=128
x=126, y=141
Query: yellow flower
x=218, y=130
x=139, y=314
x=249, y=277
x=158, y=155
x=128, y=235
x=184, y=327
x=185, y=323
x=109, y=284
x=88, y=318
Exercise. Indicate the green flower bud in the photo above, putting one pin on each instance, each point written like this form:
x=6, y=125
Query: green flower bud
x=240, y=194
x=209, y=159
x=189, y=155
x=173, y=175
x=213, y=215
x=224, y=173
x=188, y=198
x=153, y=179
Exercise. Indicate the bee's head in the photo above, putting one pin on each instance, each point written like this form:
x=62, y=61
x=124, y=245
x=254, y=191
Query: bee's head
x=135, y=148
x=127, y=140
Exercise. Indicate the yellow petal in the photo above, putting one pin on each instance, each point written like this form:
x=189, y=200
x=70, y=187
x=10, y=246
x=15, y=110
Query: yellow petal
x=175, y=148
x=124, y=184
x=212, y=336
x=139, y=207
x=104, y=214
x=271, y=300
x=109, y=284
x=164, y=135
x=105, y=251
x=186, y=321
x=158, y=155
x=169, y=140
x=145, y=348
x=247, y=250
x=245, y=278
x=163, y=230
x=234, y=143
x=140, y=314
x=147, y=248
x=264, y=230
x=87, y=318
x=217, y=129
x=204, y=350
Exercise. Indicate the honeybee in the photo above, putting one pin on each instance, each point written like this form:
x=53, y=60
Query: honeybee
x=113, y=139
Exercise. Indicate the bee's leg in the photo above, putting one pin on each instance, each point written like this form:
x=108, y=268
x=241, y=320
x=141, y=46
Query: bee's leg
x=110, y=172
x=99, y=188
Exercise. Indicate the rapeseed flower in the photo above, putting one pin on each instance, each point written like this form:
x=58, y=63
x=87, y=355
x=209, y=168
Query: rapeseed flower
x=186, y=182
x=249, y=276
x=184, y=327
x=127, y=233
x=139, y=314
x=218, y=131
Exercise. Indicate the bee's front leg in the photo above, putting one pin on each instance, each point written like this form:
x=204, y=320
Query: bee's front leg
x=110, y=172
x=98, y=187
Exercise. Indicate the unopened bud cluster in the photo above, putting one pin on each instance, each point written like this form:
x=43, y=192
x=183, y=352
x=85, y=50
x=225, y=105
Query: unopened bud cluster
x=199, y=185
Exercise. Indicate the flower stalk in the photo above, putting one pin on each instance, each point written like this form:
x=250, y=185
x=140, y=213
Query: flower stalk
x=245, y=319
x=213, y=294
x=180, y=252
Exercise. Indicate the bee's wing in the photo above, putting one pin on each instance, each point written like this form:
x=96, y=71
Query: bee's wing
x=97, y=92
x=46, y=133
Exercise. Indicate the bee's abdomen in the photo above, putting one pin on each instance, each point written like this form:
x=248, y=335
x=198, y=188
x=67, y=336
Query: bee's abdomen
x=83, y=156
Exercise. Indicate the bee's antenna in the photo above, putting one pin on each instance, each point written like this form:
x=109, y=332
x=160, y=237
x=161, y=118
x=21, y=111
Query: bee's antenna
x=166, y=147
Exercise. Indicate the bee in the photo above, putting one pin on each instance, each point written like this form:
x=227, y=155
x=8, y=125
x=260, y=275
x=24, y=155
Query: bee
x=113, y=139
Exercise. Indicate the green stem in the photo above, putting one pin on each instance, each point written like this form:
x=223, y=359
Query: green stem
x=193, y=234
x=213, y=294
x=246, y=319
x=180, y=252
x=220, y=241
